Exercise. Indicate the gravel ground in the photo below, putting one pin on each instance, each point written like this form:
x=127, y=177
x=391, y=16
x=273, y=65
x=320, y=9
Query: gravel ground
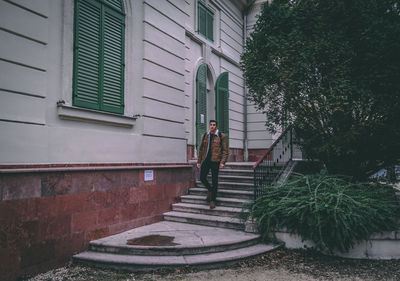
x=281, y=265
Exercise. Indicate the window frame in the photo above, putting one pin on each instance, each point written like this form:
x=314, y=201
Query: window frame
x=209, y=16
x=106, y=9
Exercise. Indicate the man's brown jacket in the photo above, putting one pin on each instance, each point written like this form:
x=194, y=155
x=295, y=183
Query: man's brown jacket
x=219, y=151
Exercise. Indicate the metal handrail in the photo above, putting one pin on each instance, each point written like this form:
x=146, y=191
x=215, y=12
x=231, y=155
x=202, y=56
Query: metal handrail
x=274, y=144
x=269, y=168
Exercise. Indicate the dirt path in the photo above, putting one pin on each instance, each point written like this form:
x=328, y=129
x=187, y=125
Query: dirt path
x=281, y=265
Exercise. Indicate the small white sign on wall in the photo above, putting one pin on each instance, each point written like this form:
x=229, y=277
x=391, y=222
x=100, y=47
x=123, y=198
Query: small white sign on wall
x=148, y=175
x=202, y=118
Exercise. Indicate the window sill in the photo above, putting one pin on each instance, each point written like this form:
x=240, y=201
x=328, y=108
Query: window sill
x=67, y=112
x=197, y=37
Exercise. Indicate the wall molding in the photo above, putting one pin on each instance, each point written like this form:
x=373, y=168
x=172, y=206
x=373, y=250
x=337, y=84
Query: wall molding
x=67, y=112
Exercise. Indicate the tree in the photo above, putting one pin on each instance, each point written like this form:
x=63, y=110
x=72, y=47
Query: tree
x=331, y=69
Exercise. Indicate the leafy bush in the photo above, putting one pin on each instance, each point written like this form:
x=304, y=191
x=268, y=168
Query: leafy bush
x=329, y=210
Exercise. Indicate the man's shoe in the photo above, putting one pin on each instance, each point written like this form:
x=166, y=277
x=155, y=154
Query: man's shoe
x=212, y=205
x=208, y=199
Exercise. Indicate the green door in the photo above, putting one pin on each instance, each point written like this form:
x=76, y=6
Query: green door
x=201, y=103
x=222, y=103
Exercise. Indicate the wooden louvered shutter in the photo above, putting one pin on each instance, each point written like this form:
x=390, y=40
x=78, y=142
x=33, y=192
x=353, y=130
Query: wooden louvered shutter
x=99, y=55
x=201, y=102
x=202, y=20
x=210, y=26
x=113, y=59
x=205, y=22
x=87, y=54
x=222, y=103
x=116, y=4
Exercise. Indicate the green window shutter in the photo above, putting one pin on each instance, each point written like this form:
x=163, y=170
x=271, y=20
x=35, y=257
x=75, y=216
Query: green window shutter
x=205, y=22
x=99, y=55
x=210, y=26
x=202, y=20
x=222, y=102
x=118, y=5
x=87, y=54
x=113, y=60
x=201, y=102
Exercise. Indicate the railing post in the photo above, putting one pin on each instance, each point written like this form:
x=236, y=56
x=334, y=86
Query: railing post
x=291, y=143
x=255, y=184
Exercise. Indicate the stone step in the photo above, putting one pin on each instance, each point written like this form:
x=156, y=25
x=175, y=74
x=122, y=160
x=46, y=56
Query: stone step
x=238, y=172
x=211, y=243
x=227, y=193
x=170, y=251
x=205, y=210
x=249, y=186
x=221, y=201
x=200, y=219
x=233, y=178
x=240, y=165
x=139, y=263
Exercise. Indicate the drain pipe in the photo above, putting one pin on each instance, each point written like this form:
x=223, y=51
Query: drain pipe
x=246, y=141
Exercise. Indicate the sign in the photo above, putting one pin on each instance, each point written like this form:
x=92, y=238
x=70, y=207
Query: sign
x=202, y=118
x=148, y=175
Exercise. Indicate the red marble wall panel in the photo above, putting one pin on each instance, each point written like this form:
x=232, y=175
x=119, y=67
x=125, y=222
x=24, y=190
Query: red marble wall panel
x=190, y=152
x=46, y=217
x=255, y=154
x=236, y=155
x=14, y=187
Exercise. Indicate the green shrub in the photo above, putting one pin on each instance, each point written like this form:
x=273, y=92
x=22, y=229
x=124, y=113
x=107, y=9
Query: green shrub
x=331, y=211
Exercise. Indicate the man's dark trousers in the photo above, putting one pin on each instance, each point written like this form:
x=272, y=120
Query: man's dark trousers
x=206, y=166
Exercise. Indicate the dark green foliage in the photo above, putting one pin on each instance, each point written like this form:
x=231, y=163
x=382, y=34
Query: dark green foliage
x=331, y=211
x=332, y=70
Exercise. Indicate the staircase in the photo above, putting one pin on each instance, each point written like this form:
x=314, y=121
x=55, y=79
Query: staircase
x=235, y=189
x=202, y=237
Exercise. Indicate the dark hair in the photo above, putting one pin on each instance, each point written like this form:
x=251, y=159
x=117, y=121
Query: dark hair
x=213, y=121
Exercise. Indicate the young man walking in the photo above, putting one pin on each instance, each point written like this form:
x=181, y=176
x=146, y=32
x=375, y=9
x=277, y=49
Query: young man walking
x=213, y=153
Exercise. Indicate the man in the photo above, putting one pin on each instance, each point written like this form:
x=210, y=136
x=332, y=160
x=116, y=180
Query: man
x=213, y=153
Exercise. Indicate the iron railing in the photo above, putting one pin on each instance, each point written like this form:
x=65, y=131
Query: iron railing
x=270, y=167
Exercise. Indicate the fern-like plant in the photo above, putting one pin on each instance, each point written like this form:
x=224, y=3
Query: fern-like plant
x=331, y=211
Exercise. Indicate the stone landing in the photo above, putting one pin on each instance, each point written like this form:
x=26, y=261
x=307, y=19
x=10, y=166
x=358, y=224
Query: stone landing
x=169, y=244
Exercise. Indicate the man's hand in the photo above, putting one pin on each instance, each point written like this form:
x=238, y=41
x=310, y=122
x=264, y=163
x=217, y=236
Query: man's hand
x=198, y=165
x=221, y=166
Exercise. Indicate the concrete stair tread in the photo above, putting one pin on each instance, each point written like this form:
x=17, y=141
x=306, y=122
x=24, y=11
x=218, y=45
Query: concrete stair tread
x=188, y=239
x=245, y=164
x=227, y=170
x=203, y=217
x=179, y=260
x=220, y=190
x=234, y=177
x=221, y=199
x=224, y=178
x=248, y=237
x=206, y=207
x=244, y=184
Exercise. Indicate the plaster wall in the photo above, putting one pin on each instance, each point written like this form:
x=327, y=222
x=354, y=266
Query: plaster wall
x=36, y=63
x=258, y=137
x=380, y=246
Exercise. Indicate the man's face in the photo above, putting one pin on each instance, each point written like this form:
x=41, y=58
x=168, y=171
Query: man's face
x=213, y=127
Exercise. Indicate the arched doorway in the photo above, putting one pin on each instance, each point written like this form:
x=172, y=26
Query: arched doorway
x=222, y=103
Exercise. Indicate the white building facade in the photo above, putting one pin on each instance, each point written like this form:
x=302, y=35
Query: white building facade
x=46, y=63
